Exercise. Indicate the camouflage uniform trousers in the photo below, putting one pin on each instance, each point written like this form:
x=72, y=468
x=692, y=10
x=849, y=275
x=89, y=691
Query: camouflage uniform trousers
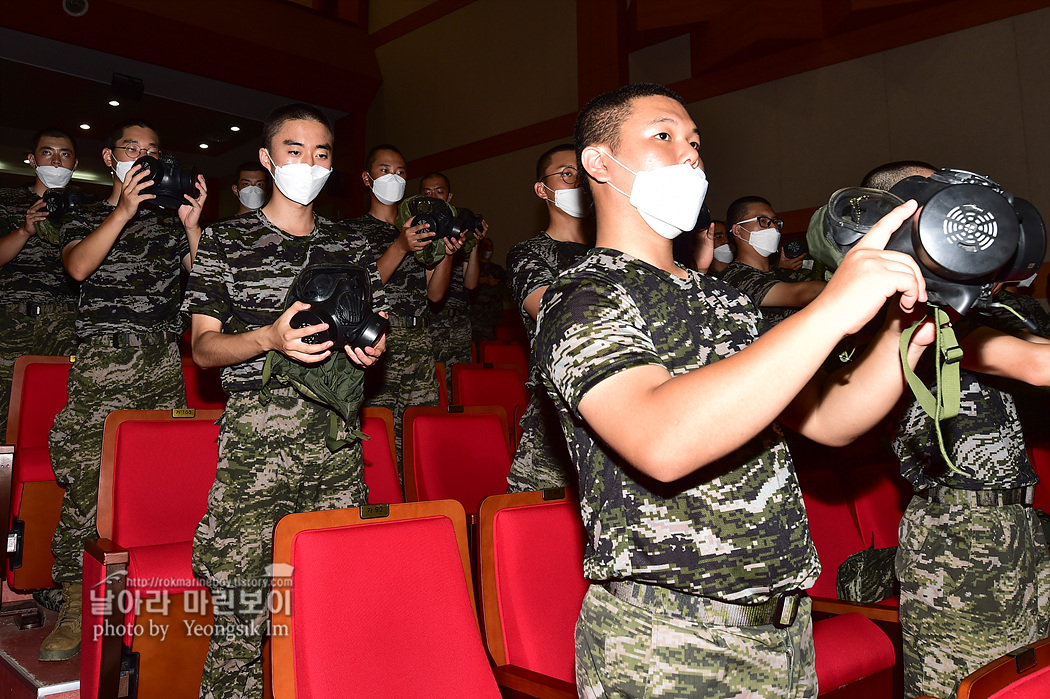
x=975, y=584
x=625, y=649
x=272, y=462
x=50, y=333
x=404, y=376
x=101, y=380
x=451, y=337
x=542, y=458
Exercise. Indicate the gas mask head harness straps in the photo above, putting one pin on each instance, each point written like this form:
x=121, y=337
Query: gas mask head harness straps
x=967, y=235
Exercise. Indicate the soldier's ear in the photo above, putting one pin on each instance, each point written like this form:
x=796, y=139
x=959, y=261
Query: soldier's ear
x=593, y=160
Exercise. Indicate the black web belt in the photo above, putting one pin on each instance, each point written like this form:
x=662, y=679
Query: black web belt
x=979, y=498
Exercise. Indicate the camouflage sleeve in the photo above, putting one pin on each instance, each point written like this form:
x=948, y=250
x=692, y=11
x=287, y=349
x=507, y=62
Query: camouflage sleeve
x=77, y=224
x=587, y=333
x=207, y=291
x=527, y=272
x=751, y=281
x=184, y=238
x=379, y=302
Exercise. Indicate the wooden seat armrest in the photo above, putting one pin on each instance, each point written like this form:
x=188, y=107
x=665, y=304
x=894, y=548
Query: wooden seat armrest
x=875, y=612
x=7, y=463
x=527, y=683
x=106, y=552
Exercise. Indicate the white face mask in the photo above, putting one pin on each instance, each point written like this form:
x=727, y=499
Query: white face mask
x=668, y=198
x=724, y=253
x=251, y=197
x=571, y=201
x=54, y=177
x=121, y=168
x=389, y=189
x=300, y=182
x=765, y=241
x=487, y=254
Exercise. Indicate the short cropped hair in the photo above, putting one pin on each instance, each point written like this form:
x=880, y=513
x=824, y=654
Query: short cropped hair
x=547, y=158
x=448, y=182
x=601, y=119
x=34, y=142
x=292, y=112
x=370, y=157
x=117, y=132
x=249, y=166
x=740, y=206
x=885, y=176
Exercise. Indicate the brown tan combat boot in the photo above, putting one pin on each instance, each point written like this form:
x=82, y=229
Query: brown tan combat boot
x=64, y=641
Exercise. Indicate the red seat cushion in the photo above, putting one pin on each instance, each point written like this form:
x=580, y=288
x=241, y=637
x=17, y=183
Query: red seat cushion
x=1034, y=686
x=849, y=647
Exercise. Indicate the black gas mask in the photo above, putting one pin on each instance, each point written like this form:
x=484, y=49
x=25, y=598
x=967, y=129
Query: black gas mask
x=443, y=219
x=967, y=235
x=171, y=182
x=60, y=200
x=341, y=296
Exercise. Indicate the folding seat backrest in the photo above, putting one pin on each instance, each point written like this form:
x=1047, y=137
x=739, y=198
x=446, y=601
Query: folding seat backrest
x=400, y=622
x=879, y=494
x=1039, y=455
x=831, y=525
x=485, y=384
x=515, y=353
x=461, y=455
x=38, y=394
x=203, y=387
x=162, y=470
x=380, y=456
x=530, y=558
x=441, y=376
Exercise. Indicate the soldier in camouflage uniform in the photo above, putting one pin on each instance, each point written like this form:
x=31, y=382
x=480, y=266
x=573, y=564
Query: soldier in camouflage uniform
x=39, y=299
x=128, y=257
x=541, y=459
x=696, y=534
x=486, y=300
x=273, y=458
x=450, y=329
x=778, y=291
x=405, y=374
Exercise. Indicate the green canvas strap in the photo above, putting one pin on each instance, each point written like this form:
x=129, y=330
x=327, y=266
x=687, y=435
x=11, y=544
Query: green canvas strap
x=946, y=372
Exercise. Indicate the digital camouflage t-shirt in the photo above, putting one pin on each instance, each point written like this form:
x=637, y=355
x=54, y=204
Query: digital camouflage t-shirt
x=736, y=529
x=244, y=268
x=136, y=288
x=756, y=284
x=406, y=290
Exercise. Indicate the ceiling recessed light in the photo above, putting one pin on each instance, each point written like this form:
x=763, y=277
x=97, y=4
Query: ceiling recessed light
x=204, y=145
x=235, y=128
x=85, y=126
x=114, y=103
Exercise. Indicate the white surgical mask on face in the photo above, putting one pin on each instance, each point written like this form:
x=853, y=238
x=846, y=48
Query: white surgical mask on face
x=300, y=182
x=668, y=198
x=389, y=189
x=54, y=177
x=122, y=167
x=252, y=197
x=571, y=201
x=724, y=253
x=765, y=241
x=487, y=254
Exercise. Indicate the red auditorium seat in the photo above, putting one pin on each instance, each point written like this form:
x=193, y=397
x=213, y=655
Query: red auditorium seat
x=380, y=456
x=442, y=381
x=1021, y=674
x=1039, y=455
x=489, y=384
x=530, y=577
x=499, y=352
x=879, y=495
x=156, y=472
x=38, y=393
x=461, y=454
x=400, y=623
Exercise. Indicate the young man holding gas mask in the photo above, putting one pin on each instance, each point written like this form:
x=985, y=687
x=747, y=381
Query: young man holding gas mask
x=39, y=299
x=541, y=460
x=238, y=296
x=128, y=255
x=450, y=328
x=405, y=375
x=696, y=535
x=778, y=292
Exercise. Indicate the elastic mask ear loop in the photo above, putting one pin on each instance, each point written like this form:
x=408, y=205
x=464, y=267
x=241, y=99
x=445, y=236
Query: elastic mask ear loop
x=946, y=370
